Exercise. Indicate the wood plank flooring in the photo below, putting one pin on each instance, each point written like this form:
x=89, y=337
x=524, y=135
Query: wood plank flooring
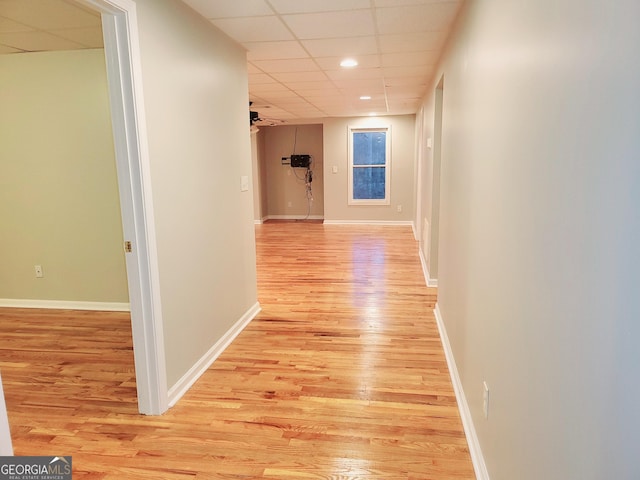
x=341, y=376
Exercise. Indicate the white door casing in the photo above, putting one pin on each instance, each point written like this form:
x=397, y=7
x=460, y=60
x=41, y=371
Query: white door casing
x=124, y=74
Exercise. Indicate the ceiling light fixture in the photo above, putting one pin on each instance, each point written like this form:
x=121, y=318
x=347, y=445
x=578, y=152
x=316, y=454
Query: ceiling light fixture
x=349, y=63
x=365, y=97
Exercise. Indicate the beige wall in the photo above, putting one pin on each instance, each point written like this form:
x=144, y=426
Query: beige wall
x=284, y=187
x=539, y=232
x=196, y=104
x=336, y=194
x=59, y=204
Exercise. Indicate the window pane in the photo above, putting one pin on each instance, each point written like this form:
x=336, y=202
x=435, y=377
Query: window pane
x=369, y=183
x=369, y=148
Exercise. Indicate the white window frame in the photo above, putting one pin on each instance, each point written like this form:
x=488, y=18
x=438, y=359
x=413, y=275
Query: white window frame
x=386, y=129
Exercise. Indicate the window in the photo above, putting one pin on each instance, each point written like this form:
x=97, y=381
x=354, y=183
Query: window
x=369, y=166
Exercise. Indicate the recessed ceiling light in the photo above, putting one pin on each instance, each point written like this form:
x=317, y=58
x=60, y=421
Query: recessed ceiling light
x=349, y=63
x=365, y=97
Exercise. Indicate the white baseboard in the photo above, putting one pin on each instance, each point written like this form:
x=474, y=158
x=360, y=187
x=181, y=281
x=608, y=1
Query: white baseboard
x=369, y=222
x=479, y=464
x=188, y=379
x=431, y=282
x=293, y=217
x=65, y=305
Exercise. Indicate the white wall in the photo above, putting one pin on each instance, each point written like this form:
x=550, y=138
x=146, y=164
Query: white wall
x=59, y=203
x=539, y=262
x=196, y=105
x=336, y=195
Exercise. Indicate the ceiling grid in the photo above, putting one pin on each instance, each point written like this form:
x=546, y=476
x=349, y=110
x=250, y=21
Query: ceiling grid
x=294, y=48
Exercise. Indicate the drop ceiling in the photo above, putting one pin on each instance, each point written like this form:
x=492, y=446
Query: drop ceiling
x=46, y=25
x=294, y=48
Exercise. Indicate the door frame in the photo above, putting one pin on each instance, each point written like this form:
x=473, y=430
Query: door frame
x=124, y=74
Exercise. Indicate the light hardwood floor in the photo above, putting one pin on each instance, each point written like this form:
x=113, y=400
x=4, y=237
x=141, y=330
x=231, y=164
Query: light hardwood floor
x=341, y=376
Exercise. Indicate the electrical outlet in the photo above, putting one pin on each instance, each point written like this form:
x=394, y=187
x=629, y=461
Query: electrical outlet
x=399, y=208
x=485, y=400
x=38, y=269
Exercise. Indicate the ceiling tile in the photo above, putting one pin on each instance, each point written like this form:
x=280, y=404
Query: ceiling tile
x=398, y=3
x=353, y=23
x=4, y=49
x=278, y=97
x=254, y=29
x=409, y=71
x=406, y=81
x=409, y=59
x=400, y=93
x=364, y=61
x=264, y=89
x=300, y=77
x=322, y=86
x=314, y=6
x=293, y=47
x=358, y=75
x=287, y=65
x=10, y=26
x=274, y=50
x=252, y=69
x=90, y=37
x=374, y=90
x=230, y=8
x=317, y=97
x=412, y=42
x=416, y=18
x=48, y=14
x=260, y=79
x=37, y=41
x=341, y=47
x=359, y=83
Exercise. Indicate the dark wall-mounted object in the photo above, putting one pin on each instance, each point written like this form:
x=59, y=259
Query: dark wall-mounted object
x=300, y=161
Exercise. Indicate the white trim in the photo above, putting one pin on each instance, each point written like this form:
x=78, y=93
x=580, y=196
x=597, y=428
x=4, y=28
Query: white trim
x=6, y=447
x=124, y=74
x=419, y=133
x=188, y=379
x=293, y=217
x=386, y=129
x=65, y=305
x=431, y=282
x=396, y=223
x=415, y=232
x=479, y=464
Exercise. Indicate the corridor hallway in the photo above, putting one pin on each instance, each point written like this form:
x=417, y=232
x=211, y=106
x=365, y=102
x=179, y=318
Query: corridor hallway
x=341, y=376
